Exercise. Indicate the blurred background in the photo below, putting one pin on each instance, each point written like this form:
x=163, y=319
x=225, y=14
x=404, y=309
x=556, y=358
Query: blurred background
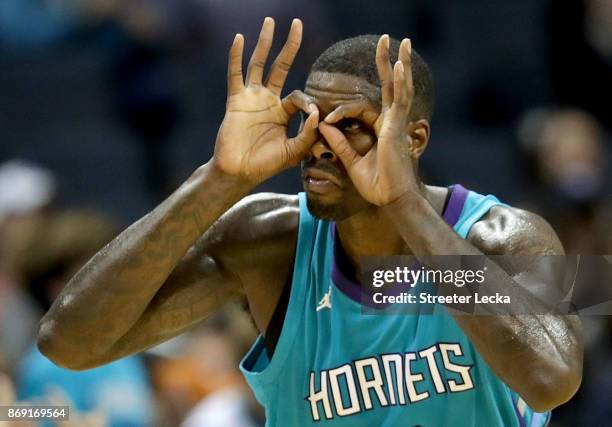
x=106, y=106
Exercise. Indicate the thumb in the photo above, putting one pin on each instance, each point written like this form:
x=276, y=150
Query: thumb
x=339, y=145
x=298, y=146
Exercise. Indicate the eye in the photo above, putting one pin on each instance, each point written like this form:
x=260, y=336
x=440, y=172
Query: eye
x=349, y=125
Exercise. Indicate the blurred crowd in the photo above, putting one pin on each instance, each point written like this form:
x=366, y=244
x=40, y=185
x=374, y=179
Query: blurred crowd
x=108, y=105
x=193, y=378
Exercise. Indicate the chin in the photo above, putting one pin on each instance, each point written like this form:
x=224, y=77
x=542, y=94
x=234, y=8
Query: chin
x=326, y=210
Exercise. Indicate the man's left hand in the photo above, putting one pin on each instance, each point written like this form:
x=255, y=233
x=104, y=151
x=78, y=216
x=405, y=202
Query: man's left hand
x=385, y=172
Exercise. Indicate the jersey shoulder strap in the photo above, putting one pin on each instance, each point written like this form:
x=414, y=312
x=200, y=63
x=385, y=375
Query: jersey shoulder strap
x=473, y=208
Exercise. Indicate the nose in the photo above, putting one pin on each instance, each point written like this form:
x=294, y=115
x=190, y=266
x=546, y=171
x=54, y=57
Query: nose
x=320, y=150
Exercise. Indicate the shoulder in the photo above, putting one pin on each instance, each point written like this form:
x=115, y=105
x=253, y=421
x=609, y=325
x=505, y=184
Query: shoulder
x=256, y=218
x=514, y=231
x=267, y=210
x=260, y=228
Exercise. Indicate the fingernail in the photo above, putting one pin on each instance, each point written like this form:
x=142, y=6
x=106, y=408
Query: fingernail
x=312, y=108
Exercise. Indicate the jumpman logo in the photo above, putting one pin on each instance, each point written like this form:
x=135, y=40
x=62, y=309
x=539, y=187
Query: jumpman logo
x=325, y=301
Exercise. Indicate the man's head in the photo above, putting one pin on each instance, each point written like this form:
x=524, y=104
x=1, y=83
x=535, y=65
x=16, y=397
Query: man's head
x=346, y=75
x=356, y=56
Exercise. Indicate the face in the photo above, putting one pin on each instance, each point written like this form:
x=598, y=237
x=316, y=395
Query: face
x=330, y=192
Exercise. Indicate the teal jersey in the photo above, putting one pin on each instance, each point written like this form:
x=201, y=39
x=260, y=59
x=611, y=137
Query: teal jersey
x=336, y=366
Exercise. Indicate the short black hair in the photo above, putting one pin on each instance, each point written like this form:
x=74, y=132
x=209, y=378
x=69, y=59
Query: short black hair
x=356, y=56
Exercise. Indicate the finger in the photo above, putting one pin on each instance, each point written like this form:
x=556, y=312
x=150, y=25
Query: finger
x=284, y=60
x=260, y=54
x=385, y=71
x=234, y=68
x=359, y=111
x=400, y=91
x=344, y=111
x=298, y=100
x=339, y=145
x=405, y=55
x=299, y=145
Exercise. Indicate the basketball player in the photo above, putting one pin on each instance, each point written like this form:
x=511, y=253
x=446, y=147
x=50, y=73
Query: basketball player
x=295, y=259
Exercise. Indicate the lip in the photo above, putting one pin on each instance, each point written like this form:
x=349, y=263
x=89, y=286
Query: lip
x=320, y=175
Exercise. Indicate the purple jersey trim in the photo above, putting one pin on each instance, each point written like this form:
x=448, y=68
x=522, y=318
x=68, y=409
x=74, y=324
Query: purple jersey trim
x=521, y=420
x=453, y=209
x=353, y=290
x=347, y=286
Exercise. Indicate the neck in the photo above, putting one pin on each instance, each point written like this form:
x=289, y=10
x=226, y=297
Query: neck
x=370, y=233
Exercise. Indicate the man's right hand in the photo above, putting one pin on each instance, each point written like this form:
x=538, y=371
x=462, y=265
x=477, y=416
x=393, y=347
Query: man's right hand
x=171, y=269
x=252, y=142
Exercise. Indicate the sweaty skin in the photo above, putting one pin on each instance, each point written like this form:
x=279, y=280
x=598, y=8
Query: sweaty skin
x=208, y=242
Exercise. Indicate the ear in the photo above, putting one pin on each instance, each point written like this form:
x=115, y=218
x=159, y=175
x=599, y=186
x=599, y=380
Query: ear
x=419, y=132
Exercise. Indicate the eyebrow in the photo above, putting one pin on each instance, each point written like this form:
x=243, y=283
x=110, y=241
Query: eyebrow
x=338, y=91
x=347, y=96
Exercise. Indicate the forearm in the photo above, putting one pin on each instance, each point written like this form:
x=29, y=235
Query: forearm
x=531, y=353
x=109, y=294
x=424, y=230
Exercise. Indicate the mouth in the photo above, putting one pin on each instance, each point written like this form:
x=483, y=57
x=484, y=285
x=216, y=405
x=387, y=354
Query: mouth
x=321, y=182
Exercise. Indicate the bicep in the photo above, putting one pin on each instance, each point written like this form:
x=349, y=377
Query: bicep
x=527, y=248
x=194, y=290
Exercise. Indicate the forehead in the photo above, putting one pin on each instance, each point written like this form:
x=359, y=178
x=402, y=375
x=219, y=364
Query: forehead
x=330, y=90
